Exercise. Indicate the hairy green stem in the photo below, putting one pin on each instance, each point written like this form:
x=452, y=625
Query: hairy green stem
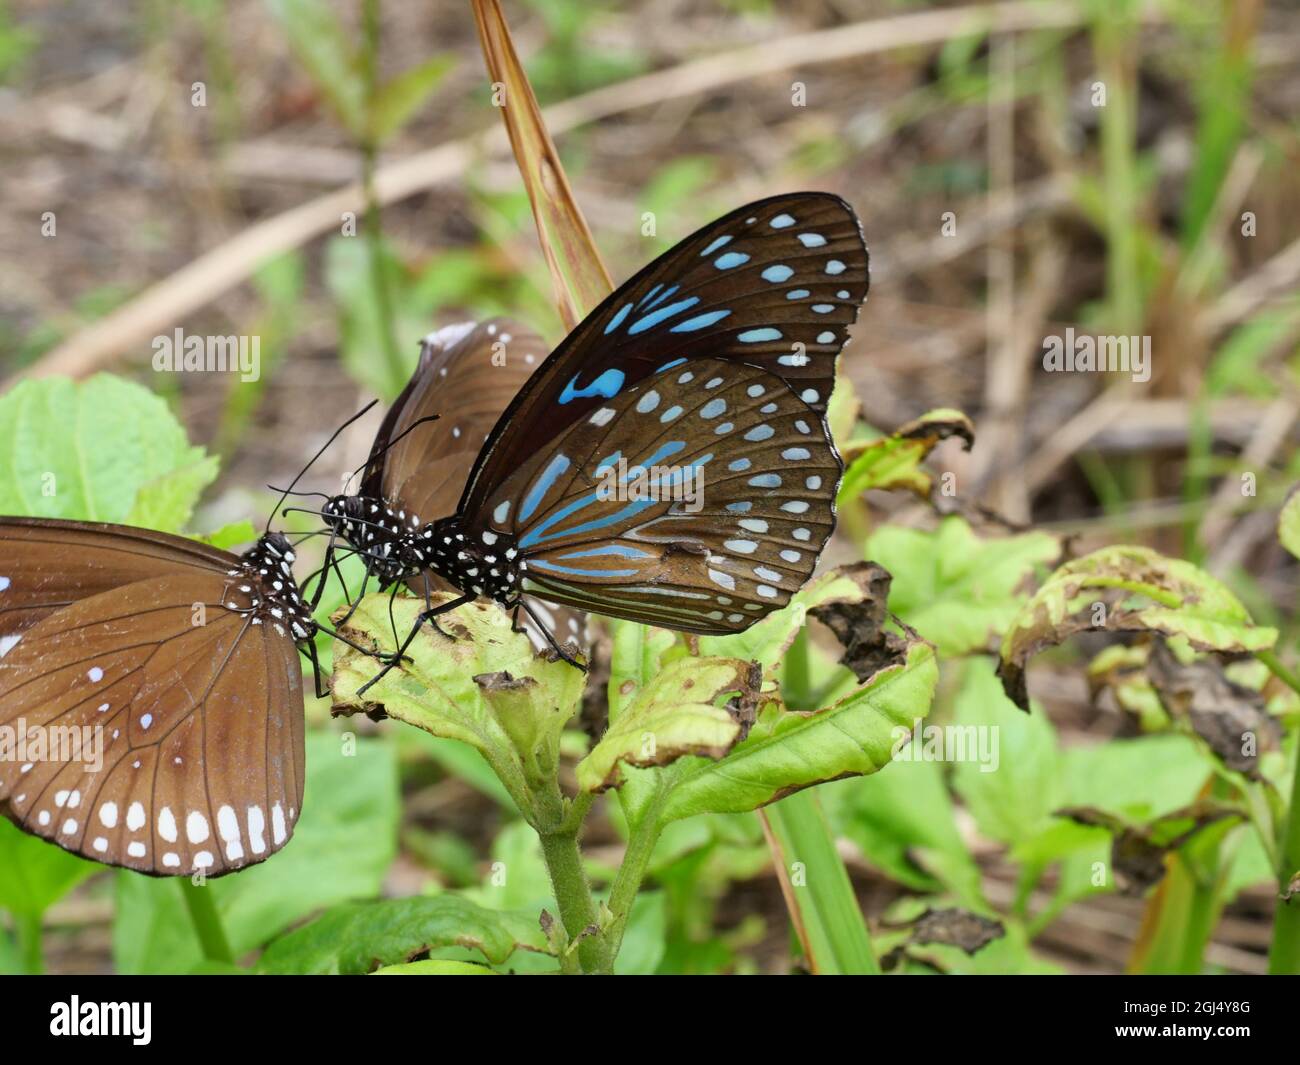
x=573, y=896
x=630, y=875
x=206, y=921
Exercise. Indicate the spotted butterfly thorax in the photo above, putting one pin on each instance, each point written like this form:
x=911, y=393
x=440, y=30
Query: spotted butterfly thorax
x=151, y=692
x=712, y=368
x=467, y=375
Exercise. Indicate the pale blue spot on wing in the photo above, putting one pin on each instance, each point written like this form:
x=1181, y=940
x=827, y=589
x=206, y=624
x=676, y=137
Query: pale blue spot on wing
x=835, y=267
x=757, y=336
x=732, y=258
x=782, y=221
x=766, y=480
x=760, y=432
x=797, y=294
x=739, y=466
x=811, y=240
x=740, y=508
x=778, y=273
x=823, y=308
x=825, y=338
x=713, y=408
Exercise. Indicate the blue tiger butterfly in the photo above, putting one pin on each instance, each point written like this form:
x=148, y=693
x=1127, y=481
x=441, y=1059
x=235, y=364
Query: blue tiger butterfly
x=714, y=362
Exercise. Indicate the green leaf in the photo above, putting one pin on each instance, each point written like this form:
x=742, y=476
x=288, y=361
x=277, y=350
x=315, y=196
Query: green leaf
x=357, y=938
x=894, y=462
x=397, y=100
x=341, y=849
x=643, y=943
x=98, y=450
x=957, y=590
x=787, y=750
x=159, y=502
x=1015, y=799
x=321, y=44
x=1127, y=588
x=436, y=967
x=484, y=685
x=231, y=535
x=34, y=874
x=902, y=814
x=673, y=716
x=1288, y=523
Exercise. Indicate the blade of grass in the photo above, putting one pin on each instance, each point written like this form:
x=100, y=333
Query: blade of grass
x=577, y=272
x=1284, y=950
x=817, y=889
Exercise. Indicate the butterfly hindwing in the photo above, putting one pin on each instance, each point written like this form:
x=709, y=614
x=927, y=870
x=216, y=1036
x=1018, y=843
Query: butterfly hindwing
x=774, y=284
x=698, y=499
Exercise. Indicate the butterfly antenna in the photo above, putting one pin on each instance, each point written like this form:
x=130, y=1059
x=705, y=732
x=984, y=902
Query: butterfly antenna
x=405, y=432
x=333, y=436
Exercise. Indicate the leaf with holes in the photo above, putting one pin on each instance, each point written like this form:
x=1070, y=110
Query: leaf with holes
x=1127, y=589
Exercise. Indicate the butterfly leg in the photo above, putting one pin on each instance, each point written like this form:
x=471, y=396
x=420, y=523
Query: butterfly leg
x=550, y=638
x=314, y=659
x=425, y=615
x=325, y=568
x=354, y=603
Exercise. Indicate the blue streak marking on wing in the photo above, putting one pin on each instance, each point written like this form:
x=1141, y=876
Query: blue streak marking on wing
x=617, y=320
x=756, y=336
x=715, y=246
x=622, y=550
x=700, y=321
x=650, y=294
x=662, y=296
x=548, y=478
x=606, y=386
x=543, y=564
x=655, y=317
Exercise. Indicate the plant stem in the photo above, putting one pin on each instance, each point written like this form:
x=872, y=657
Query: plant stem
x=631, y=872
x=207, y=922
x=573, y=896
x=27, y=930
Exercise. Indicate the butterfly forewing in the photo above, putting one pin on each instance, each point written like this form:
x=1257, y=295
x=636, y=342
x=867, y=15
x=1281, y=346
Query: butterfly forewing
x=36, y=578
x=775, y=284
x=467, y=375
x=699, y=499
x=169, y=711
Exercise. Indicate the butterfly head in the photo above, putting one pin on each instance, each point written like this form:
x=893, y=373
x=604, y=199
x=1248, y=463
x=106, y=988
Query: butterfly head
x=264, y=588
x=379, y=532
x=478, y=562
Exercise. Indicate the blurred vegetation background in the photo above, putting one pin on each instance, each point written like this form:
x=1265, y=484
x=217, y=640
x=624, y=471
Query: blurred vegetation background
x=191, y=155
